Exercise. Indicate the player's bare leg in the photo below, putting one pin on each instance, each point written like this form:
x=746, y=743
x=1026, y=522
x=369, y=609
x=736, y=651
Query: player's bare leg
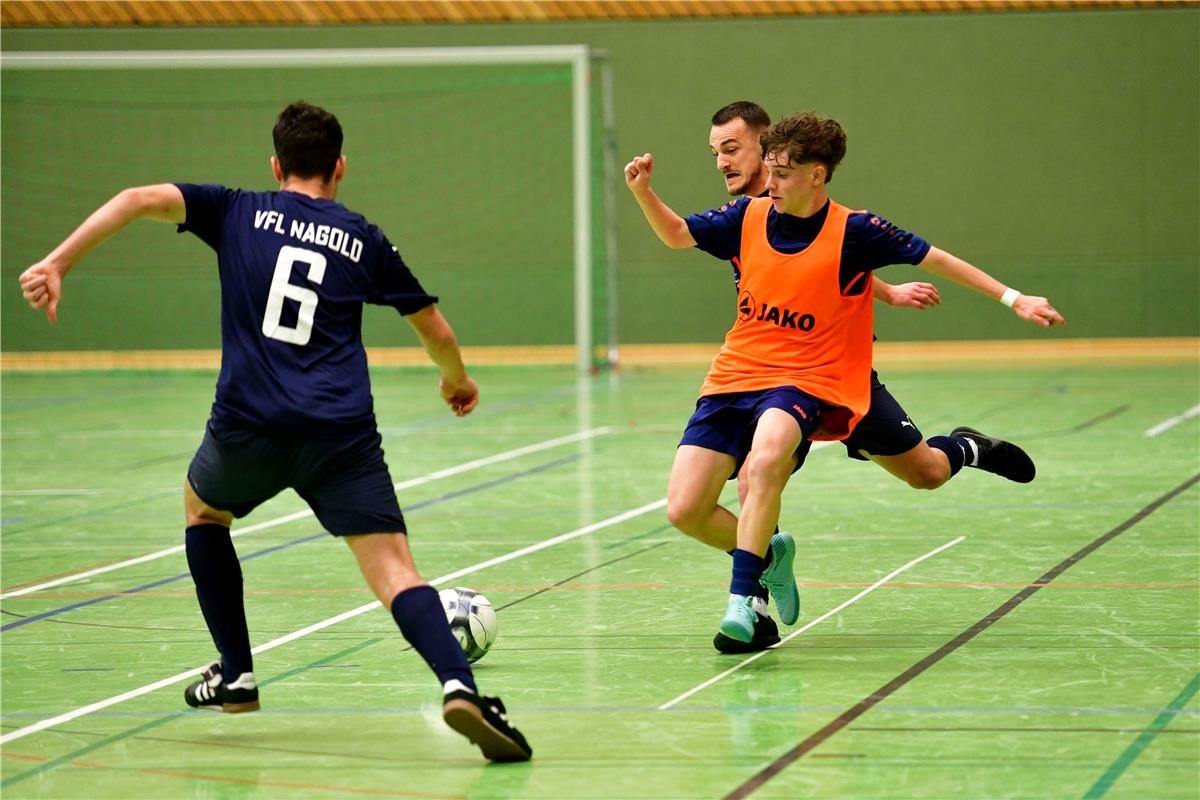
x=768, y=468
x=922, y=467
x=697, y=478
x=387, y=564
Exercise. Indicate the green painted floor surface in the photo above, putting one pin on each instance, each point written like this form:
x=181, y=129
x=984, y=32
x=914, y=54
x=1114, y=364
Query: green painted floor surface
x=1085, y=688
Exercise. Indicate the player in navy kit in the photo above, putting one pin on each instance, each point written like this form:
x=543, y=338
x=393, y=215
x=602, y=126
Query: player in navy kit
x=869, y=242
x=293, y=404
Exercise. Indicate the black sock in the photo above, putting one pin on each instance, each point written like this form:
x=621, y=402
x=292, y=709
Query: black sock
x=422, y=620
x=218, y=576
x=956, y=448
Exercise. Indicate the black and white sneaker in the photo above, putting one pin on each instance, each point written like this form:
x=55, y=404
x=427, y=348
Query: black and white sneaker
x=482, y=720
x=998, y=456
x=211, y=691
x=766, y=633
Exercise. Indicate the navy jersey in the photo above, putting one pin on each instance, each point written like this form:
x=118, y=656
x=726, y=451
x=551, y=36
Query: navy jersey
x=295, y=272
x=870, y=242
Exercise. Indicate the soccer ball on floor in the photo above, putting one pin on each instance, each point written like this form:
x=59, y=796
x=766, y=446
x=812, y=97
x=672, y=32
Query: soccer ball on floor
x=472, y=620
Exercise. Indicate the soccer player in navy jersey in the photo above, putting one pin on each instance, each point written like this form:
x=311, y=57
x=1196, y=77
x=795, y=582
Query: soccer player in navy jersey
x=886, y=434
x=800, y=154
x=293, y=404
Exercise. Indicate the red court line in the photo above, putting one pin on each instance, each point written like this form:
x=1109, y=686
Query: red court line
x=192, y=593
x=978, y=585
x=71, y=571
x=187, y=593
x=590, y=586
x=242, y=781
x=567, y=586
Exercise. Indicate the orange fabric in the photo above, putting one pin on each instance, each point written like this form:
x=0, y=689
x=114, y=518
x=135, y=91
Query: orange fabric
x=794, y=326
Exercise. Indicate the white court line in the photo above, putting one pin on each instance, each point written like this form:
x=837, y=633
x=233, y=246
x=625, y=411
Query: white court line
x=354, y=612
x=816, y=621
x=508, y=455
x=1167, y=424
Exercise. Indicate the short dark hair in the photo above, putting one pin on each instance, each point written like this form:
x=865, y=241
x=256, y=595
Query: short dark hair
x=754, y=115
x=806, y=137
x=308, y=141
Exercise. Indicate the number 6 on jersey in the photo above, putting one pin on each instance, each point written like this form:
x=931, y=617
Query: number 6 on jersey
x=281, y=288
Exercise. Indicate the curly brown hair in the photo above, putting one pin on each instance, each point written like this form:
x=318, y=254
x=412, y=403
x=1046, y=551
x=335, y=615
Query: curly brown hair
x=805, y=138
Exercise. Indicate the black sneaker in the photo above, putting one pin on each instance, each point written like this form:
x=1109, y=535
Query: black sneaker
x=481, y=719
x=766, y=633
x=996, y=455
x=211, y=691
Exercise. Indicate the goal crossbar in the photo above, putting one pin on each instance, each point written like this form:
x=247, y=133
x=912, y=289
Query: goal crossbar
x=576, y=56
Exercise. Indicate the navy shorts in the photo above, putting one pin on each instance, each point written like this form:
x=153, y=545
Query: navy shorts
x=344, y=480
x=885, y=430
x=726, y=422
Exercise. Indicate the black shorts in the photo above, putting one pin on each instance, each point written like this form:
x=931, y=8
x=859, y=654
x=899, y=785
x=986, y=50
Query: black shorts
x=726, y=422
x=885, y=430
x=344, y=480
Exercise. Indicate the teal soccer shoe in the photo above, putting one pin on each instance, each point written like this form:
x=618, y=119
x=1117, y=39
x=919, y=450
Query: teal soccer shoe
x=780, y=581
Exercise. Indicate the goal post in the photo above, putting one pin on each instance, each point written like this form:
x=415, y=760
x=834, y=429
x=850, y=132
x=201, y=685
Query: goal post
x=592, y=172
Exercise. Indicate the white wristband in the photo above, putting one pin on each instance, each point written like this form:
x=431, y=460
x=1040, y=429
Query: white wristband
x=1009, y=297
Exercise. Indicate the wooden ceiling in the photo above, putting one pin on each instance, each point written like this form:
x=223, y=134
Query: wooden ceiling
x=60, y=13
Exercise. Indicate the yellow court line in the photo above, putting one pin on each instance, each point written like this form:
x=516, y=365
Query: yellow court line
x=888, y=355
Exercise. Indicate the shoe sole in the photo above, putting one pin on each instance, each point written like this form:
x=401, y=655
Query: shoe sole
x=240, y=708
x=732, y=647
x=784, y=560
x=232, y=708
x=466, y=718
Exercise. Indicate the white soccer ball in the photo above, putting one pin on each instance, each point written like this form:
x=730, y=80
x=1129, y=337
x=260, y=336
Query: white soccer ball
x=472, y=620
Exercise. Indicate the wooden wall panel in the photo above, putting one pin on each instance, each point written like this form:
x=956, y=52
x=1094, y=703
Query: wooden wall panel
x=124, y=13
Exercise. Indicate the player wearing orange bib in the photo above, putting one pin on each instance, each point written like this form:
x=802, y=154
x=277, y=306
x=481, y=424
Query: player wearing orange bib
x=797, y=363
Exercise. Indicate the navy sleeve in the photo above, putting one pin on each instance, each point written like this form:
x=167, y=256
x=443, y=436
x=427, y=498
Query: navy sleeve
x=873, y=242
x=394, y=284
x=205, y=206
x=719, y=232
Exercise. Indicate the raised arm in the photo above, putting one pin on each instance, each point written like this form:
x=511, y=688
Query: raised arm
x=668, y=225
x=42, y=283
x=1028, y=307
x=437, y=337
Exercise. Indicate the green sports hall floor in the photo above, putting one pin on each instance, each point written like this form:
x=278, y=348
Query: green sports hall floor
x=984, y=640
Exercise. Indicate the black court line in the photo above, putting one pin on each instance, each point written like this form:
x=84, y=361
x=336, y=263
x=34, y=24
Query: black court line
x=1083, y=426
x=1096, y=420
x=883, y=692
x=1013, y=729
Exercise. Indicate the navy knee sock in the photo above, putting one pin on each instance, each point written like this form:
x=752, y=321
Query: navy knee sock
x=760, y=591
x=422, y=620
x=747, y=569
x=218, y=576
x=956, y=449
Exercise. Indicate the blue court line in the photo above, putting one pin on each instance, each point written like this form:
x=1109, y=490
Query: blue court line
x=579, y=709
x=275, y=548
x=7, y=534
x=1143, y=740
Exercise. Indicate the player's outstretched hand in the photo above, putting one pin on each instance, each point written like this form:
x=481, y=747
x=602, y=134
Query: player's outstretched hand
x=638, y=171
x=462, y=396
x=916, y=295
x=41, y=285
x=1037, y=310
